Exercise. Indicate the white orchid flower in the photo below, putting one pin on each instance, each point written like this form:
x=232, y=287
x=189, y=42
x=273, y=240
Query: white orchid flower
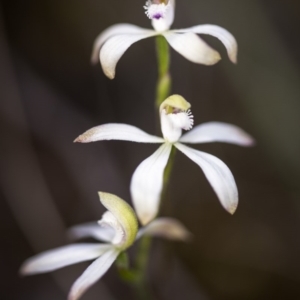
x=147, y=180
x=112, y=43
x=118, y=228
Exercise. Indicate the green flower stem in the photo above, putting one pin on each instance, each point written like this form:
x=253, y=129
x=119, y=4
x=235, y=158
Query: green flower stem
x=137, y=276
x=142, y=287
x=164, y=79
x=125, y=273
x=163, y=89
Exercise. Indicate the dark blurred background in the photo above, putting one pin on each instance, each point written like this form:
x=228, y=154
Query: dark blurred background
x=50, y=94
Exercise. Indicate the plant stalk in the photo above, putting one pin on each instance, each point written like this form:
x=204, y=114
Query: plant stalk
x=137, y=276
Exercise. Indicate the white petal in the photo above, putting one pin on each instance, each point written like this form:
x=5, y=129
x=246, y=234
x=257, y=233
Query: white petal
x=167, y=228
x=217, y=132
x=61, y=257
x=92, y=274
x=147, y=183
x=166, y=22
x=218, y=175
x=121, y=132
x=110, y=32
x=94, y=230
x=190, y=46
x=220, y=33
x=116, y=46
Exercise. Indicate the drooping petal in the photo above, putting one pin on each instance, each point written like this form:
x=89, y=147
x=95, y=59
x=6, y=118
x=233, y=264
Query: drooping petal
x=124, y=217
x=164, y=21
x=167, y=228
x=220, y=33
x=121, y=132
x=190, y=46
x=147, y=183
x=93, y=273
x=217, y=132
x=93, y=230
x=218, y=175
x=58, y=258
x=110, y=32
x=115, y=47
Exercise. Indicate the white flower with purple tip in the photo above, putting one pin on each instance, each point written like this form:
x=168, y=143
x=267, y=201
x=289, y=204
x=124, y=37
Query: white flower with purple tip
x=112, y=43
x=147, y=180
x=118, y=228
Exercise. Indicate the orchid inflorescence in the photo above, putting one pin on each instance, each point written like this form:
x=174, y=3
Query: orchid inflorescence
x=118, y=228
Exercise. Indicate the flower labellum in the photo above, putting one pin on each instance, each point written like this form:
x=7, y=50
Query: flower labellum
x=175, y=116
x=161, y=12
x=155, y=9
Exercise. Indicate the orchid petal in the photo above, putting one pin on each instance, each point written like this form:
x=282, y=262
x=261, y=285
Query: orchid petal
x=147, y=183
x=121, y=132
x=111, y=31
x=166, y=228
x=92, y=229
x=218, y=175
x=217, y=132
x=190, y=46
x=93, y=273
x=116, y=46
x=220, y=33
x=61, y=257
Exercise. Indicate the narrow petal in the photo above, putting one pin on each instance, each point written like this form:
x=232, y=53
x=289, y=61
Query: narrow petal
x=92, y=274
x=167, y=228
x=218, y=175
x=94, y=230
x=116, y=46
x=121, y=132
x=220, y=33
x=58, y=258
x=147, y=183
x=190, y=46
x=110, y=32
x=217, y=132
